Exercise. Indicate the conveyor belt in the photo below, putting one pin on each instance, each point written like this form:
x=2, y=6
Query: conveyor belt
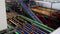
x=26, y=25
x=20, y=19
x=18, y=22
x=30, y=28
x=21, y=28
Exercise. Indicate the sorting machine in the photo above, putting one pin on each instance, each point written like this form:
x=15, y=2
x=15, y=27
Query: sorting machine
x=31, y=20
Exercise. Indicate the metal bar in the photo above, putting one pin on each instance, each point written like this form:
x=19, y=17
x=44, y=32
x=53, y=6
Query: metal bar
x=19, y=22
x=27, y=10
x=37, y=23
x=18, y=25
x=23, y=24
x=17, y=31
x=37, y=29
x=10, y=27
x=20, y=19
x=28, y=28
